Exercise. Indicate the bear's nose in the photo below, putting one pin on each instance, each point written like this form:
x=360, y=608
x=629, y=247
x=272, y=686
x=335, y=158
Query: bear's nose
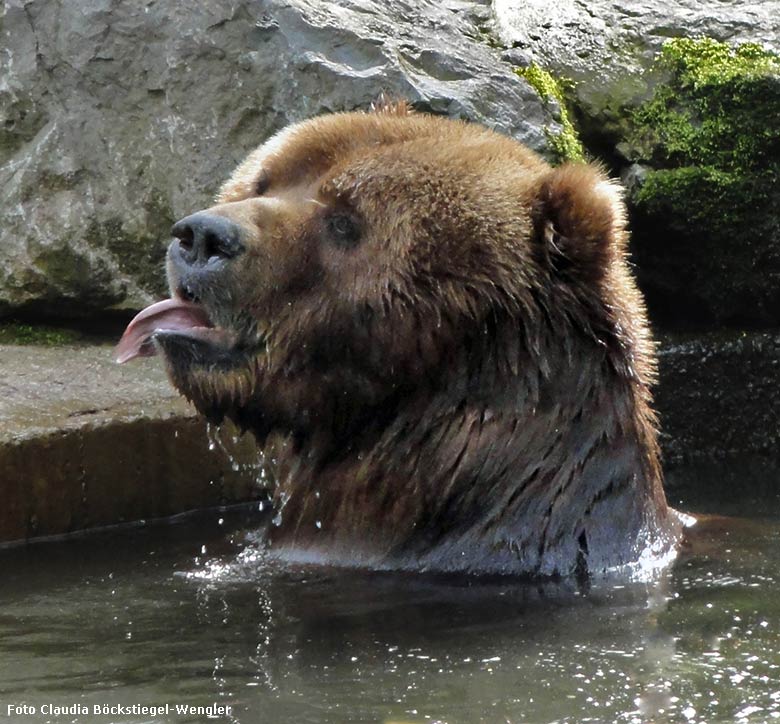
x=203, y=236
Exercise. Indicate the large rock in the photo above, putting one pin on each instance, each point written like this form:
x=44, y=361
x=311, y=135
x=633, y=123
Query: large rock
x=674, y=98
x=116, y=118
x=706, y=230
x=85, y=443
x=607, y=46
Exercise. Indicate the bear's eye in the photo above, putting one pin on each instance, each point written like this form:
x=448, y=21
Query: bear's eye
x=262, y=183
x=343, y=230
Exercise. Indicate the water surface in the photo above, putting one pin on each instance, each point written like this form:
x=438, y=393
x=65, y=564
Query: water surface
x=191, y=613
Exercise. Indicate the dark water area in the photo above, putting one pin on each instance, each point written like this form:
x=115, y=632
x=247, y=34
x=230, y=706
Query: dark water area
x=193, y=614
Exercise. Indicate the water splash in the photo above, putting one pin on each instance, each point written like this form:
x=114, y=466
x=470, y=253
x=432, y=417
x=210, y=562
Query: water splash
x=214, y=435
x=220, y=439
x=656, y=557
x=237, y=567
x=284, y=498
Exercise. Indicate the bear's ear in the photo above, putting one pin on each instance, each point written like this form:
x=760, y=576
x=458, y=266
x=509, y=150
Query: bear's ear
x=387, y=106
x=580, y=222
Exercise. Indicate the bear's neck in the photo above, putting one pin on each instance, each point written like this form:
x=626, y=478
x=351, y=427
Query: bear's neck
x=529, y=458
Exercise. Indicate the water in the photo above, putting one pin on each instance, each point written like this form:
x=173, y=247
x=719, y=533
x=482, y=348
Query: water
x=193, y=614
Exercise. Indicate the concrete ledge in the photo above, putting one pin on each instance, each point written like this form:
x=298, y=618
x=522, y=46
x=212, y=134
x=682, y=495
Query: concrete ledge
x=86, y=443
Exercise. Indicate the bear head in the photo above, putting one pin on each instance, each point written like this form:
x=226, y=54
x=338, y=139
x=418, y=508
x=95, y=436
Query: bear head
x=439, y=336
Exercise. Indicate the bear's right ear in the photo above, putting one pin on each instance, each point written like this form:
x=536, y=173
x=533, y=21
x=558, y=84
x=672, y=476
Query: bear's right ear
x=387, y=106
x=580, y=221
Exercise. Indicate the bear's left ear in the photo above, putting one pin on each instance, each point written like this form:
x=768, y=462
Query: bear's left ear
x=580, y=221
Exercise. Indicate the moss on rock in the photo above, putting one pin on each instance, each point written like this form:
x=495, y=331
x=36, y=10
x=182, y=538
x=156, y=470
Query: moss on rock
x=564, y=143
x=706, y=208
x=40, y=335
x=719, y=108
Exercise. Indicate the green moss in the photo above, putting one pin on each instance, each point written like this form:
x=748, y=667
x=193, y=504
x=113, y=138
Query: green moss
x=706, y=234
x=714, y=121
x=565, y=144
x=702, y=62
x=40, y=335
x=701, y=197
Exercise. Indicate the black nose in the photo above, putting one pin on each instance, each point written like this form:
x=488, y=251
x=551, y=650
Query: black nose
x=203, y=236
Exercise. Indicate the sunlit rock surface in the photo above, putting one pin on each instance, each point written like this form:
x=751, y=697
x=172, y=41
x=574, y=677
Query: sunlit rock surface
x=85, y=443
x=693, y=134
x=117, y=118
x=607, y=45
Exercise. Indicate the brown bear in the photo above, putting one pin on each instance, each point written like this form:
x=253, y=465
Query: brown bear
x=435, y=337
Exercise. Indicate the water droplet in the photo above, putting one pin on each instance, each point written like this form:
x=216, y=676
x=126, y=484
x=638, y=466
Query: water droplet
x=277, y=519
x=318, y=524
x=214, y=435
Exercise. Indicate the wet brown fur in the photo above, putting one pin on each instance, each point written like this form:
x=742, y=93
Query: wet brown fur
x=467, y=387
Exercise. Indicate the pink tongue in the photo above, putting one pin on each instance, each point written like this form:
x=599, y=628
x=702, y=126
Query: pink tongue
x=171, y=314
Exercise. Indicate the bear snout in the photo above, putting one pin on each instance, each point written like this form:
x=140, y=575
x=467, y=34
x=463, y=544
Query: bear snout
x=203, y=236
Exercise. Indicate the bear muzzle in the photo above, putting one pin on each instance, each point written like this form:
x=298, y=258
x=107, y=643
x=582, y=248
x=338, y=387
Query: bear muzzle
x=201, y=255
x=205, y=237
x=199, y=261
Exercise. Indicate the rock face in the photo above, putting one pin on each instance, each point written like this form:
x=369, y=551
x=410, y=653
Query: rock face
x=118, y=118
x=606, y=46
x=84, y=444
x=680, y=98
x=706, y=231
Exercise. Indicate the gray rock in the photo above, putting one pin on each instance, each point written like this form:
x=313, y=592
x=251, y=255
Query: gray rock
x=633, y=177
x=606, y=46
x=116, y=118
x=517, y=57
x=707, y=252
x=85, y=443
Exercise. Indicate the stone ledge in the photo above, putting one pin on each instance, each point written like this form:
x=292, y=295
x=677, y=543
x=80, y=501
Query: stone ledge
x=85, y=443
